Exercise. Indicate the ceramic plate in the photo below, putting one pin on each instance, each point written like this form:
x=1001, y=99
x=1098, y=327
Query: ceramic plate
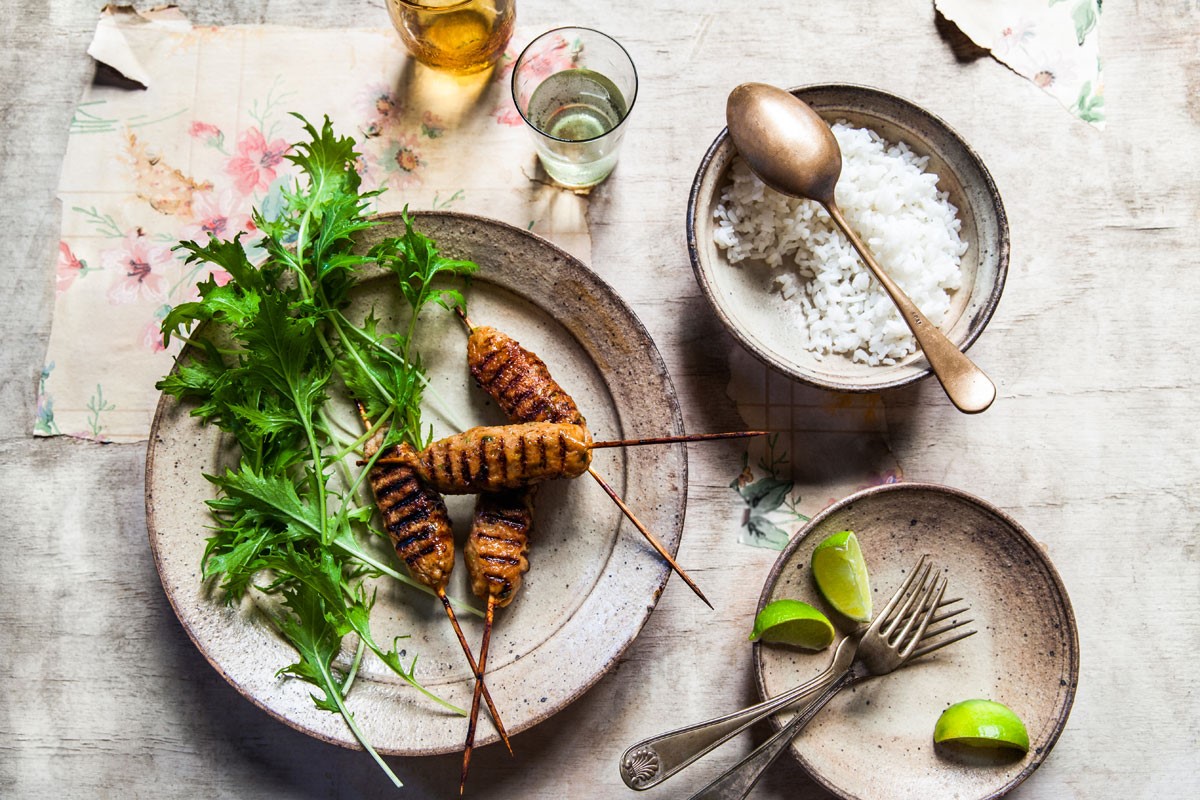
x=744, y=297
x=875, y=740
x=592, y=582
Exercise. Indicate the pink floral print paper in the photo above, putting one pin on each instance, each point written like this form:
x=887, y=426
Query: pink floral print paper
x=206, y=141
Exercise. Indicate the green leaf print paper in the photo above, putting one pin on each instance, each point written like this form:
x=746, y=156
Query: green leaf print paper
x=1054, y=43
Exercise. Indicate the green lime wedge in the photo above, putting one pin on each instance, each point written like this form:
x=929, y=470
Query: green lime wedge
x=981, y=723
x=793, y=622
x=841, y=575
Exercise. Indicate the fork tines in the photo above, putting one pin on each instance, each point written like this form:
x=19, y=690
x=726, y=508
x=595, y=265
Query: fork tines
x=925, y=592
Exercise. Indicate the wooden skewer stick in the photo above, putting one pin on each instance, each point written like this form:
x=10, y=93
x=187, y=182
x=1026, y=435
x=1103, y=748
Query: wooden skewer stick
x=477, y=669
x=691, y=437
x=650, y=537
x=440, y=591
x=483, y=652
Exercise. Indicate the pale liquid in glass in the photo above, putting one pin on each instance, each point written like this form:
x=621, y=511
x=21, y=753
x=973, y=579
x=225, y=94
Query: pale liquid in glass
x=579, y=106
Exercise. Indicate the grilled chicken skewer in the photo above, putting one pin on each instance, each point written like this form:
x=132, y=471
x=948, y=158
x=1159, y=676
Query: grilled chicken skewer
x=493, y=459
x=418, y=526
x=496, y=556
x=516, y=378
x=499, y=457
x=521, y=384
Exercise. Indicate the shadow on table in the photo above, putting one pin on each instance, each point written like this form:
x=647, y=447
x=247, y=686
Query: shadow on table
x=450, y=99
x=262, y=757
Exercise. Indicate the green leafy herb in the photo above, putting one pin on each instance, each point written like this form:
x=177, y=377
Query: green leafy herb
x=274, y=346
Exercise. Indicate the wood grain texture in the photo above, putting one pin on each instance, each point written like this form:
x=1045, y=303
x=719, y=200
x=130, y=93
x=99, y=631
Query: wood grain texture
x=1092, y=444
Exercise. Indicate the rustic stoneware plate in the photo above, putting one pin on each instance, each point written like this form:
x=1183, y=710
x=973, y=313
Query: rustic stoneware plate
x=592, y=582
x=875, y=740
x=758, y=316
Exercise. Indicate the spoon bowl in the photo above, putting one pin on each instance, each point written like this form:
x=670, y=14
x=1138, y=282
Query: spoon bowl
x=762, y=321
x=784, y=141
x=793, y=151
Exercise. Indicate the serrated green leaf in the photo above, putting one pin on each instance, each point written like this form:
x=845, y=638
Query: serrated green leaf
x=268, y=494
x=230, y=256
x=279, y=526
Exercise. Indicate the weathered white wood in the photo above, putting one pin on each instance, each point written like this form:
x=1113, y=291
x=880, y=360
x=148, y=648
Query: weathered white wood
x=1092, y=444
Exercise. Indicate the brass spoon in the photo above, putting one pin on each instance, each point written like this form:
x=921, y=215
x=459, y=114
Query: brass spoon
x=793, y=151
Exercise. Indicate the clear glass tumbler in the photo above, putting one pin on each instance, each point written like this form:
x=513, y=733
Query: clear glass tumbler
x=458, y=36
x=575, y=88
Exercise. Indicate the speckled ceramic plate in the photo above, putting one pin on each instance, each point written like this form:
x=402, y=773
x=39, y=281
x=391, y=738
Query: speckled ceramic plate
x=593, y=581
x=875, y=740
x=744, y=299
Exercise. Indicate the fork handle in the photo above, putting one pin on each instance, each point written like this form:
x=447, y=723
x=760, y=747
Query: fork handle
x=651, y=761
x=737, y=781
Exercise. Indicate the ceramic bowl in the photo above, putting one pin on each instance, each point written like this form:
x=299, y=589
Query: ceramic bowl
x=758, y=316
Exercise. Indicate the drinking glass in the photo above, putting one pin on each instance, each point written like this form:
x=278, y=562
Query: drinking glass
x=575, y=87
x=458, y=36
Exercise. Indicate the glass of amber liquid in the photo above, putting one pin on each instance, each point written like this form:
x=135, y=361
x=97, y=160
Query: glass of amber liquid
x=456, y=36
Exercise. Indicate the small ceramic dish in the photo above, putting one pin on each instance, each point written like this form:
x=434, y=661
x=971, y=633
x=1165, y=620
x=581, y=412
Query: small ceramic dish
x=876, y=740
x=757, y=315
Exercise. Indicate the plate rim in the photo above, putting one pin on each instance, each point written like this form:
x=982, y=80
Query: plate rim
x=659, y=569
x=963, y=496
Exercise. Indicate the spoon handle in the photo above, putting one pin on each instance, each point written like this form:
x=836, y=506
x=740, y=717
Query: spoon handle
x=651, y=761
x=965, y=384
x=737, y=781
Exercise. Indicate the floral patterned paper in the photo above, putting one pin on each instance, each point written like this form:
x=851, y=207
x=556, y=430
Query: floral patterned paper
x=1054, y=43
x=823, y=446
x=207, y=140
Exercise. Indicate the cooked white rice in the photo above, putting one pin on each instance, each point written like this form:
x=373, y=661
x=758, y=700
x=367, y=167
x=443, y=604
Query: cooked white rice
x=894, y=206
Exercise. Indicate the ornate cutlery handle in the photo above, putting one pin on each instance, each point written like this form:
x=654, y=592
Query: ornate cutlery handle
x=651, y=761
x=736, y=782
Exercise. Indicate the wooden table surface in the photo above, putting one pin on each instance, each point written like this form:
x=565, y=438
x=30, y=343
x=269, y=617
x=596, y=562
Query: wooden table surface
x=1092, y=443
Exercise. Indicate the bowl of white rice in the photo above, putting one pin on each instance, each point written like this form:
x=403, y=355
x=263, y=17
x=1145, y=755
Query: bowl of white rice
x=790, y=288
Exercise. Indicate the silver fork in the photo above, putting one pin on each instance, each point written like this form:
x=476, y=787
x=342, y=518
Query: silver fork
x=887, y=644
x=651, y=761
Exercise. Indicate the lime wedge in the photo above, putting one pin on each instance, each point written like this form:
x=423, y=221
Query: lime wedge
x=981, y=723
x=793, y=622
x=841, y=575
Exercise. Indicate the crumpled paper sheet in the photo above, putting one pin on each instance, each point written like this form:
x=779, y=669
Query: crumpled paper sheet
x=1054, y=43
x=185, y=131
x=824, y=446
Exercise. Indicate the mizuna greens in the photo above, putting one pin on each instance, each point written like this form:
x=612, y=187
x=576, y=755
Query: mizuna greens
x=275, y=347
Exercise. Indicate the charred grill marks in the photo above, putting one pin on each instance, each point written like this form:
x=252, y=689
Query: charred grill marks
x=509, y=516
x=416, y=522
x=413, y=558
x=503, y=457
x=496, y=550
x=482, y=371
x=518, y=380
